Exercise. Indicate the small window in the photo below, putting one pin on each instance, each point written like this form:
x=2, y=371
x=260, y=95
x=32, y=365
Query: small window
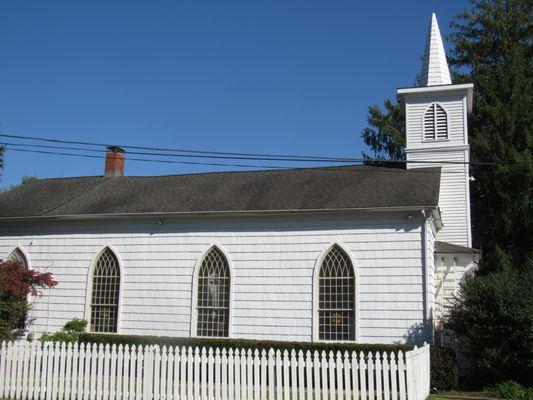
x=105, y=292
x=336, y=305
x=18, y=255
x=213, y=295
x=435, y=123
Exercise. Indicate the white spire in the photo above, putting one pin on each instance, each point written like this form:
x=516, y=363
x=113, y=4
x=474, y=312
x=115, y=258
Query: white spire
x=435, y=68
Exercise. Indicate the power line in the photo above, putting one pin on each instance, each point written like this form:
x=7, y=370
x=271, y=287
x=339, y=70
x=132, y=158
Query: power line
x=267, y=167
x=150, y=160
x=244, y=156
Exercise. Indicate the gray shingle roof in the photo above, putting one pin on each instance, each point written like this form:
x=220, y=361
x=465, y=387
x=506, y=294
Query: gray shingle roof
x=329, y=188
x=449, y=248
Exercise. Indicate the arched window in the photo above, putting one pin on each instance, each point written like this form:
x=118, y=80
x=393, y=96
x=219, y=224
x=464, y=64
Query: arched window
x=435, y=123
x=213, y=302
x=336, y=297
x=105, y=292
x=18, y=255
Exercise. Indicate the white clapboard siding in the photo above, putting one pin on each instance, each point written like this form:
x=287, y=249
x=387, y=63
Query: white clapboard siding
x=57, y=371
x=272, y=263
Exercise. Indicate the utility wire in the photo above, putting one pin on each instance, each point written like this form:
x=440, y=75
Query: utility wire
x=237, y=156
x=149, y=160
x=277, y=167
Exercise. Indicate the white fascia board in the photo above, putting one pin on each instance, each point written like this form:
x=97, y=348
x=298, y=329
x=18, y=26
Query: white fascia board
x=424, y=90
x=118, y=216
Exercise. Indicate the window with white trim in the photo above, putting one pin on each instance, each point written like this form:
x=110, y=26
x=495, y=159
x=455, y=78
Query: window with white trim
x=435, y=123
x=336, y=297
x=105, y=292
x=213, y=301
x=18, y=255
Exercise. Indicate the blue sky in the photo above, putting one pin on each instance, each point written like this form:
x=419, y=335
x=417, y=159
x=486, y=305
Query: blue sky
x=292, y=77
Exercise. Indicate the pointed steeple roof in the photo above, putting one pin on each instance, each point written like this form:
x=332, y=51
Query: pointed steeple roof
x=435, y=67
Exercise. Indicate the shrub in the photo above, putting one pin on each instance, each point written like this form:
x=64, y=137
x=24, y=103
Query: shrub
x=69, y=333
x=510, y=390
x=236, y=343
x=16, y=283
x=444, y=373
x=493, y=318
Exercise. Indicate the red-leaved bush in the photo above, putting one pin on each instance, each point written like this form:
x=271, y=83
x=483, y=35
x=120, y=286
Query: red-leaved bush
x=16, y=283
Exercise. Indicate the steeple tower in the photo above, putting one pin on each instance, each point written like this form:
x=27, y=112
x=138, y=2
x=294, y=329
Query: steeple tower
x=436, y=115
x=435, y=67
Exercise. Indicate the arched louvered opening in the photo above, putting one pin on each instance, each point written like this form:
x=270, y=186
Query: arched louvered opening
x=435, y=123
x=105, y=293
x=18, y=255
x=336, y=297
x=213, y=303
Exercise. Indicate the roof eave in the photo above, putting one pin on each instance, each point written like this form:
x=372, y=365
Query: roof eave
x=469, y=87
x=79, y=217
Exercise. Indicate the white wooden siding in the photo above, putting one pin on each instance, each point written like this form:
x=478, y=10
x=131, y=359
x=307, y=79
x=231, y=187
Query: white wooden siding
x=272, y=260
x=450, y=272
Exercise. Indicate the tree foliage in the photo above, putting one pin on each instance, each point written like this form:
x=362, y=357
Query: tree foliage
x=493, y=317
x=492, y=48
x=16, y=283
x=69, y=333
x=385, y=134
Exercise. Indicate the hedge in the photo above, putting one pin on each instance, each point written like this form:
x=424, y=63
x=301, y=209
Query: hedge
x=444, y=373
x=136, y=340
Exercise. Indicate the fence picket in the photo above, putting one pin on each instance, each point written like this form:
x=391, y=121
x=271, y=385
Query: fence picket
x=393, y=371
x=401, y=375
x=347, y=384
x=19, y=360
x=196, y=373
x=331, y=382
x=370, y=370
x=286, y=385
x=385, y=366
x=316, y=370
x=271, y=376
x=31, y=375
x=262, y=366
x=340, y=375
x=113, y=372
x=224, y=374
x=204, y=374
x=378, y=371
x=309, y=374
x=231, y=386
x=237, y=375
x=324, y=376
x=362, y=375
x=293, y=378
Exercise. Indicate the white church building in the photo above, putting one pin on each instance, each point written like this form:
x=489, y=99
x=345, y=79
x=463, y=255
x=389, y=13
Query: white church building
x=368, y=254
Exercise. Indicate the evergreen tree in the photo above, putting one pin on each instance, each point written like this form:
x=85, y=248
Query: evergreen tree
x=491, y=46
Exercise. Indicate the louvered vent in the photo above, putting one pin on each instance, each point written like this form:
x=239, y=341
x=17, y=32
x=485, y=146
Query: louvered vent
x=435, y=123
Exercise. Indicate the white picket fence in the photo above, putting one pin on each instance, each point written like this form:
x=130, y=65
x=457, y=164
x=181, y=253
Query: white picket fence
x=96, y=372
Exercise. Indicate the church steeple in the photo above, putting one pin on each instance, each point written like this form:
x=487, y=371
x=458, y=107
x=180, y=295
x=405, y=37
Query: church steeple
x=436, y=114
x=434, y=67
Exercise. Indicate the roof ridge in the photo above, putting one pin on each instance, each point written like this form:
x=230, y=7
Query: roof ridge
x=326, y=167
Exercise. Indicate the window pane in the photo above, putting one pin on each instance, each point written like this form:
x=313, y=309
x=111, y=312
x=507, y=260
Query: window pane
x=336, y=292
x=213, y=295
x=105, y=293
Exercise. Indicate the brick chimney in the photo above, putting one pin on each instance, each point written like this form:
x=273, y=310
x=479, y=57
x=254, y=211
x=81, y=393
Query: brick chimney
x=114, y=161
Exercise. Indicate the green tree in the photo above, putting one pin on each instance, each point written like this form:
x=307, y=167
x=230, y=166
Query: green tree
x=25, y=180
x=494, y=319
x=491, y=46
